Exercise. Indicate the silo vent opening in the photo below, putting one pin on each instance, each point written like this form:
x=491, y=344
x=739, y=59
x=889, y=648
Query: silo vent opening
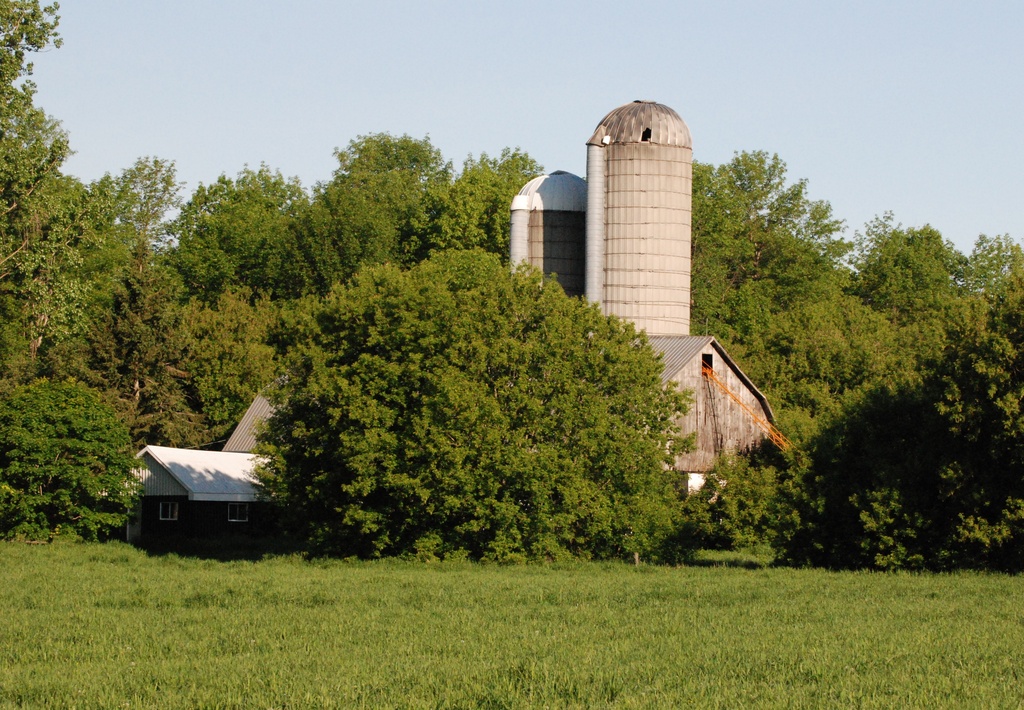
x=647, y=135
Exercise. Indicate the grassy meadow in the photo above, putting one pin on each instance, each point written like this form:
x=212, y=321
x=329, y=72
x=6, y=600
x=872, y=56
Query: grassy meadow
x=109, y=626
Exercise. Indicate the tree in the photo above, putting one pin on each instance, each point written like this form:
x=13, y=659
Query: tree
x=914, y=278
x=760, y=245
x=770, y=281
x=226, y=356
x=136, y=354
x=927, y=473
x=735, y=507
x=146, y=193
x=474, y=211
x=134, y=349
x=39, y=238
x=65, y=468
x=376, y=208
x=992, y=261
x=456, y=409
x=905, y=272
x=47, y=279
x=241, y=233
x=32, y=146
x=982, y=402
x=873, y=492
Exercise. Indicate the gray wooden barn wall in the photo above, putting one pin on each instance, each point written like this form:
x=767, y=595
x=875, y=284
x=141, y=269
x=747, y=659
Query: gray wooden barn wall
x=720, y=424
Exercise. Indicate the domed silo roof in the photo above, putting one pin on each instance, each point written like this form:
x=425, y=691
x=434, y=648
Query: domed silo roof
x=642, y=122
x=558, y=192
x=548, y=228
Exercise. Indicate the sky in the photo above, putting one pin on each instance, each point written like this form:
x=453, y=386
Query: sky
x=912, y=108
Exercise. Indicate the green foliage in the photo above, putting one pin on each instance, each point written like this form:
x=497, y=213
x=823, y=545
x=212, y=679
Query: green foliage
x=375, y=210
x=474, y=211
x=458, y=409
x=40, y=236
x=871, y=496
x=905, y=273
x=136, y=352
x=735, y=508
x=912, y=276
x=992, y=261
x=133, y=349
x=394, y=200
x=32, y=146
x=892, y=372
x=47, y=279
x=984, y=374
x=926, y=474
x=982, y=403
x=226, y=357
x=145, y=193
x=760, y=245
x=241, y=233
x=121, y=626
x=769, y=282
x=55, y=286
x=814, y=355
x=64, y=464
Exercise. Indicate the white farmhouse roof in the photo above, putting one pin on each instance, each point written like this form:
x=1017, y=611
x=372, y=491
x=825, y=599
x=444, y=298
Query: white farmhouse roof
x=203, y=475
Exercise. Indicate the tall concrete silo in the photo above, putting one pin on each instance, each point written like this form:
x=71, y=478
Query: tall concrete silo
x=639, y=173
x=548, y=228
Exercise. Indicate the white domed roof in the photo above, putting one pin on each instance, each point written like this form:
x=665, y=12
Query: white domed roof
x=642, y=122
x=559, y=191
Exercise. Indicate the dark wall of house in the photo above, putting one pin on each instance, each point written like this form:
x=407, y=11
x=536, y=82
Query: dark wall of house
x=201, y=519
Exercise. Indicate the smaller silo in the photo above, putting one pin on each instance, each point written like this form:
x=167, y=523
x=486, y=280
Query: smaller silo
x=549, y=228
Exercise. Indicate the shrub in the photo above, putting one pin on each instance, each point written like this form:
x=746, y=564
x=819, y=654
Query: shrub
x=459, y=409
x=65, y=466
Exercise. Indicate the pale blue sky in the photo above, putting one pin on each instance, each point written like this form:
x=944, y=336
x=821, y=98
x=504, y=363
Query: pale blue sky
x=913, y=107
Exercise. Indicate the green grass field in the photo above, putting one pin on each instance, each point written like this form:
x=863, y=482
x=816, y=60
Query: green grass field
x=109, y=626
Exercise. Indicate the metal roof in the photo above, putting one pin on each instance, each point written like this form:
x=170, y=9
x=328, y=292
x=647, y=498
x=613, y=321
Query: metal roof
x=678, y=350
x=208, y=475
x=243, y=438
x=629, y=124
x=559, y=191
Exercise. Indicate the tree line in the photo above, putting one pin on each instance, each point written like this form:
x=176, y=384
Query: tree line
x=437, y=403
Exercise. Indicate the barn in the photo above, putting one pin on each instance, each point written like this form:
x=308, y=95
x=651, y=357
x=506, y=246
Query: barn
x=727, y=414
x=190, y=494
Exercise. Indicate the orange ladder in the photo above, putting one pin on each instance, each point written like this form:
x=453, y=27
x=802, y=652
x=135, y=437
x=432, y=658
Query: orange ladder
x=770, y=430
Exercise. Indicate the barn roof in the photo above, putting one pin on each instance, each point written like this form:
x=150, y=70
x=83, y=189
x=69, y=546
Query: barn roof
x=207, y=475
x=678, y=350
x=243, y=438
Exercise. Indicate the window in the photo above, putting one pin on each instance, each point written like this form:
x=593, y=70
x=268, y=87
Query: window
x=707, y=362
x=238, y=512
x=168, y=511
